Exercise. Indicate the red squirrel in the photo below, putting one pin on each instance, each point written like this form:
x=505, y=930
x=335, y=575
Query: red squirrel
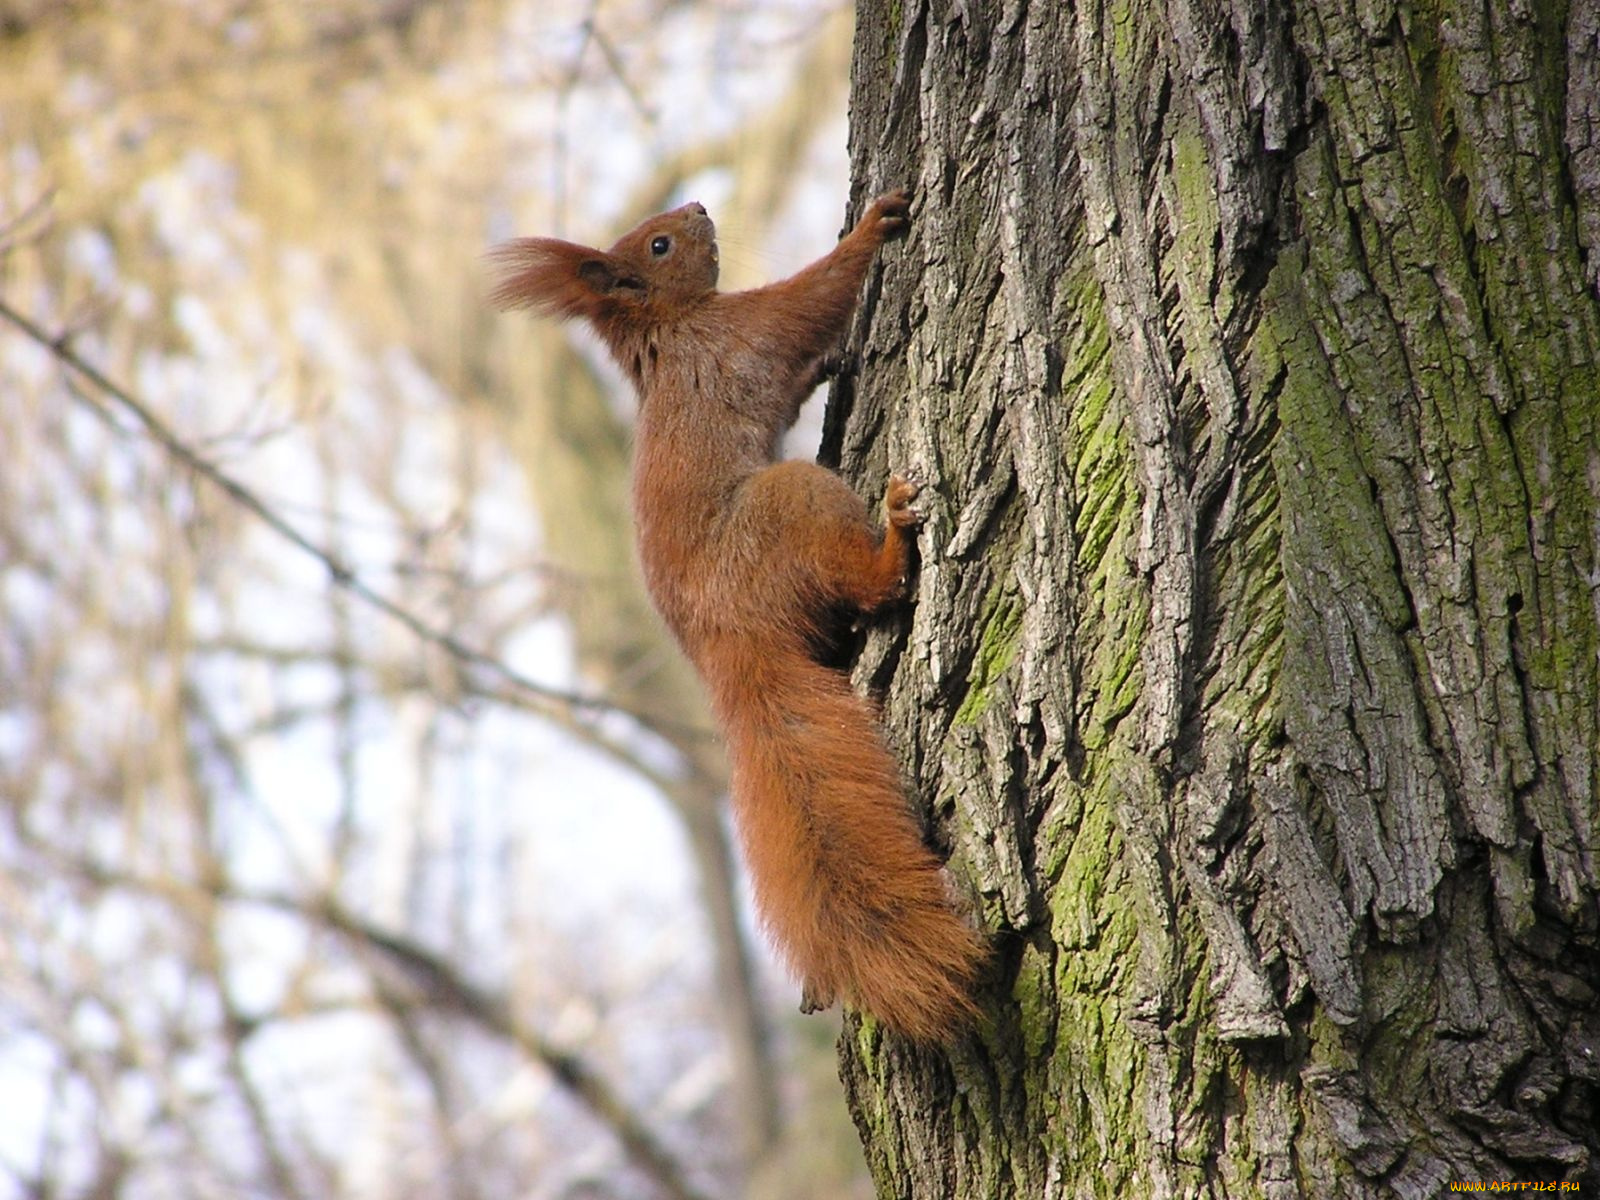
x=746, y=558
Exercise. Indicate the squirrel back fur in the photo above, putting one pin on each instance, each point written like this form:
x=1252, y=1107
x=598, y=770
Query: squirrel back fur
x=745, y=557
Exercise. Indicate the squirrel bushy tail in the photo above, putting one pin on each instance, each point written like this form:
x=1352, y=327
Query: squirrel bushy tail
x=845, y=885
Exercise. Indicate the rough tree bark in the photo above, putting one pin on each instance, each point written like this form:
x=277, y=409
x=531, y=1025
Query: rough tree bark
x=1247, y=353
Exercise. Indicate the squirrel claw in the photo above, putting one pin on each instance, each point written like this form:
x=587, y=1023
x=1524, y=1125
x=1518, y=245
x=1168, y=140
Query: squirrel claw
x=890, y=212
x=897, y=498
x=811, y=1001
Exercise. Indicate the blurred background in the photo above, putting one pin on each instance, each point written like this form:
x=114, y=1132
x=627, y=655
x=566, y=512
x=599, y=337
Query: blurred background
x=360, y=831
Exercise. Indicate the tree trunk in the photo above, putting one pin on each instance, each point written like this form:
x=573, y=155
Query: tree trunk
x=1247, y=354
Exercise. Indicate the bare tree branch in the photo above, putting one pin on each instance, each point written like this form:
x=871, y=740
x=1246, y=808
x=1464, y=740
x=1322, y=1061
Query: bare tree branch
x=448, y=990
x=552, y=701
x=438, y=985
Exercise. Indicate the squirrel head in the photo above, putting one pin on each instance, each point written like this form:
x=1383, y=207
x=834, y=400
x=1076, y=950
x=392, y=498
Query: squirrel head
x=653, y=271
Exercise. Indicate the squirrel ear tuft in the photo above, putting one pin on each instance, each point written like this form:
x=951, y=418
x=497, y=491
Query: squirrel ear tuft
x=602, y=275
x=597, y=273
x=553, y=278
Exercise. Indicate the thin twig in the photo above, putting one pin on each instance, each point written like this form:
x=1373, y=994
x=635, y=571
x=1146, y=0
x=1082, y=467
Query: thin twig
x=11, y=230
x=614, y=61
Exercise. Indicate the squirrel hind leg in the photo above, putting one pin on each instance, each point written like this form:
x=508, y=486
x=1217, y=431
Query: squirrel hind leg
x=883, y=577
x=872, y=574
x=827, y=536
x=867, y=571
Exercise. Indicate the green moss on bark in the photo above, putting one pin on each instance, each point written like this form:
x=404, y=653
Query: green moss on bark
x=997, y=649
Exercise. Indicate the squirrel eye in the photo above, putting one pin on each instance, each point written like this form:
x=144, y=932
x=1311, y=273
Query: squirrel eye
x=660, y=245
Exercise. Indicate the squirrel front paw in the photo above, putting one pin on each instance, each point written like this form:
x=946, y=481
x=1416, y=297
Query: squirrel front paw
x=897, y=498
x=888, y=214
x=814, y=999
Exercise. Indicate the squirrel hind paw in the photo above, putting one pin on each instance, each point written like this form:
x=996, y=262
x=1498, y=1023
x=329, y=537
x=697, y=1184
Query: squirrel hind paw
x=889, y=213
x=897, y=498
x=895, y=205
